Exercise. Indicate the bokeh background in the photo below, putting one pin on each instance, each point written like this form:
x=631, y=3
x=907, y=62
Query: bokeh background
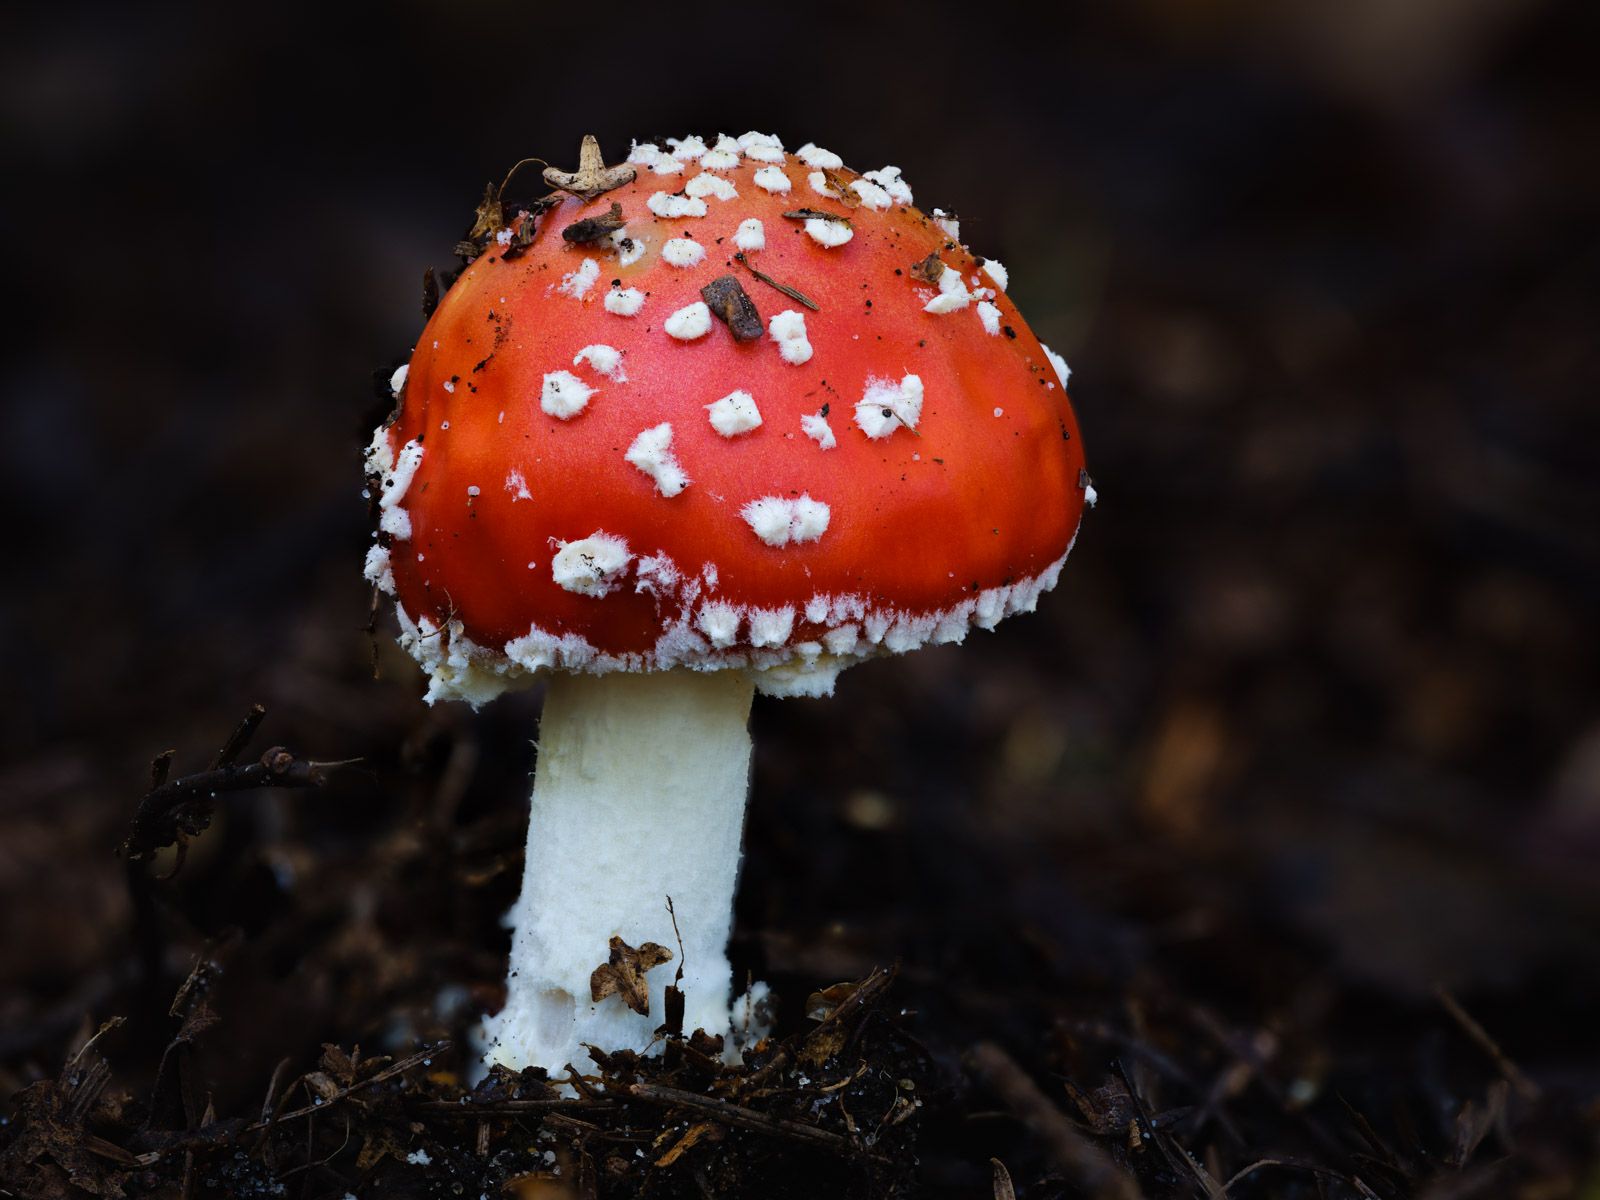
x=1310, y=727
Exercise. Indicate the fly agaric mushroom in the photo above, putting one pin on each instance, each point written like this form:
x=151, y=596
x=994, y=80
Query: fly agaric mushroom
x=726, y=419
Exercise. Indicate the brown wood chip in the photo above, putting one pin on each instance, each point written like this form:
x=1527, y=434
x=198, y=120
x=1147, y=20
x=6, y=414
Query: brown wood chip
x=725, y=298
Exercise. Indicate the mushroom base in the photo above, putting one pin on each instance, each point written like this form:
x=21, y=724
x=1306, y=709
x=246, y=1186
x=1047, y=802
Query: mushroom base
x=638, y=796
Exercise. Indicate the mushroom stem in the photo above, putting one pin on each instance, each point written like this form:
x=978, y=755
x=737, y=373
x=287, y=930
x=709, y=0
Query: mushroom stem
x=638, y=795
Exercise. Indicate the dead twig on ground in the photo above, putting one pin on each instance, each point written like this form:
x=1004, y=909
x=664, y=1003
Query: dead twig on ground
x=1090, y=1167
x=739, y=1117
x=1526, y=1088
x=506, y=1108
x=1295, y=1164
x=175, y=810
x=389, y=1072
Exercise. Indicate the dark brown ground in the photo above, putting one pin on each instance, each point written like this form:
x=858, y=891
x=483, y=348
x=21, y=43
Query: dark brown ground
x=1298, y=768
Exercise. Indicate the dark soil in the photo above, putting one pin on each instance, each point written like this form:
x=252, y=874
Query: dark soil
x=1260, y=862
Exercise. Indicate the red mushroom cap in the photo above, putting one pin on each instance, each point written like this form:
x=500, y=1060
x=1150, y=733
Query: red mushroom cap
x=589, y=469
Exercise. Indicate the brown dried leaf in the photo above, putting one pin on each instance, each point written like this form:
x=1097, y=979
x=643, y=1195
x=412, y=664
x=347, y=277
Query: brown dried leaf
x=526, y=226
x=706, y=1130
x=848, y=1002
x=322, y=1086
x=840, y=184
x=820, y=1005
x=51, y=1130
x=592, y=229
x=928, y=270
x=379, y=1141
x=592, y=177
x=1106, y=1110
x=707, y=1045
x=339, y=1064
x=490, y=216
x=624, y=974
x=728, y=301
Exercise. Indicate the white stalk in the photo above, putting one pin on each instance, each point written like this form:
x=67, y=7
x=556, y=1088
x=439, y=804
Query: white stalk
x=639, y=794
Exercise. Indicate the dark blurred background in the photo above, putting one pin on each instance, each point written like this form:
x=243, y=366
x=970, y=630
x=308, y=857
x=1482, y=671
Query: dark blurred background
x=1313, y=717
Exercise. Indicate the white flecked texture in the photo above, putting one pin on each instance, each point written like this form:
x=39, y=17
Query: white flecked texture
x=734, y=414
x=591, y=566
x=886, y=406
x=788, y=329
x=750, y=235
x=564, y=395
x=578, y=283
x=670, y=206
x=682, y=252
x=606, y=360
x=816, y=427
x=773, y=180
x=828, y=233
x=690, y=322
x=624, y=302
x=652, y=453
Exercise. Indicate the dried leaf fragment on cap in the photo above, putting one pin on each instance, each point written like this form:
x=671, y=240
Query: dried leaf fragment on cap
x=624, y=974
x=929, y=270
x=592, y=176
x=848, y=196
x=592, y=229
x=526, y=227
x=729, y=302
x=816, y=214
x=490, y=217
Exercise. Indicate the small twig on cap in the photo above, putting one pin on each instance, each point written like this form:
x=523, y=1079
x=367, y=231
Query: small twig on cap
x=782, y=287
x=817, y=214
x=515, y=167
